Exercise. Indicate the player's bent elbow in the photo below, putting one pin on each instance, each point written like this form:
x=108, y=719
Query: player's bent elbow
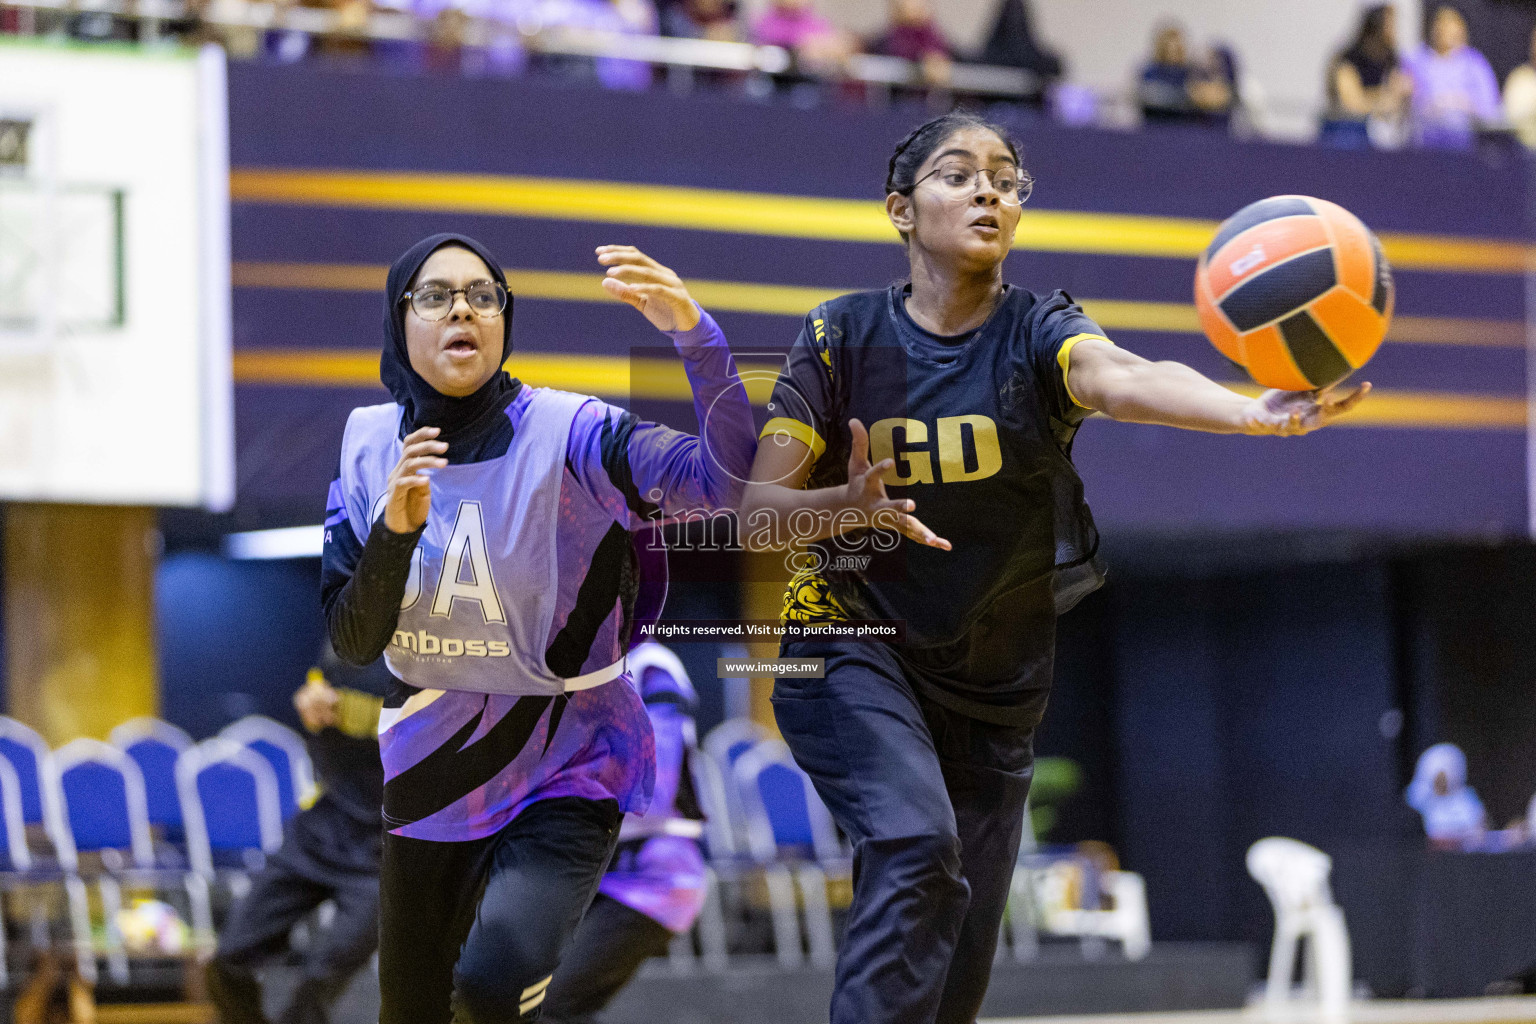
x=727, y=495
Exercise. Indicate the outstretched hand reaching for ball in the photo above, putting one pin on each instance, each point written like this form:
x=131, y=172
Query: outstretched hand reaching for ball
x=648, y=286
x=1293, y=413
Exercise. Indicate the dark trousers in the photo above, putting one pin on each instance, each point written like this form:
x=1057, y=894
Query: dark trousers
x=933, y=802
x=471, y=932
x=610, y=945
x=294, y=882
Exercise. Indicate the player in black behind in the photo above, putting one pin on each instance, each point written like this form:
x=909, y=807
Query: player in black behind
x=972, y=390
x=330, y=851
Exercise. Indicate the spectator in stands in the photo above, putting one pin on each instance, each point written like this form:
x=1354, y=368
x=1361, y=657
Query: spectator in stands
x=818, y=45
x=1176, y=89
x=618, y=17
x=281, y=43
x=1454, y=88
x=1012, y=44
x=105, y=26
x=350, y=38
x=914, y=35
x=446, y=49
x=508, y=20
x=1520, y=98
x=1453, y=815
x=1366, y=83
x=1221, y=66
x=702, y=19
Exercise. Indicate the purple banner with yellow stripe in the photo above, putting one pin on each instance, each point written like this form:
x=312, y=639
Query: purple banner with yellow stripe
x=766, y=210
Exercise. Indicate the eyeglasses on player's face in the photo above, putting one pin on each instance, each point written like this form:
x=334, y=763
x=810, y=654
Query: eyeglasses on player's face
x=485, y=299
x=960, y=182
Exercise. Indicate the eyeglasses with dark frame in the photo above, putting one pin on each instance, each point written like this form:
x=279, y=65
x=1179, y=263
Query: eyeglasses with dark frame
x=1013, y=185
x=485, y=299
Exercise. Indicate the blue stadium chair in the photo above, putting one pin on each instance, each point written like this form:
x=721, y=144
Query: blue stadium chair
x=28, y=754
x=284, y=750
x=96, y=805
x=231, y=806
x=723, y=745
x=785, y=816
x=14, y=855
x=790, y=834
x=721, y=832
x=15, y=858
x=21, y=867
x=154, y=746
x=732, y=738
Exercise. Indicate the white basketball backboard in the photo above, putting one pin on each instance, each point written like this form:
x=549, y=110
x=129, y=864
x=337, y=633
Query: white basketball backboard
x=114, y=275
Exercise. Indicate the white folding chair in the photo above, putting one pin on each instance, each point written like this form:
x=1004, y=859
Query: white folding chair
x=1295, y=878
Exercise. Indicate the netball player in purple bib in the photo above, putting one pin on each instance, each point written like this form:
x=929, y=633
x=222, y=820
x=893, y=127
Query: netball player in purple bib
x=478, y=536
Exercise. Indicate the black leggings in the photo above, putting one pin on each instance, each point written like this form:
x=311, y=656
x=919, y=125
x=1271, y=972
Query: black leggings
x=611, y=944
x=471, y=932
x=933, y=802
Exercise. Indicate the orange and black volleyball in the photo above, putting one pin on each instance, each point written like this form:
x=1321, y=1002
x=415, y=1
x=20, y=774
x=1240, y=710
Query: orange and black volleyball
x=1295, y=290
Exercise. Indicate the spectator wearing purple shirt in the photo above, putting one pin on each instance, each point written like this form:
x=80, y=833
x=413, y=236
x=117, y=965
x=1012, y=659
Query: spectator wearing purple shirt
x=504, y=53
x=818, y=45
x=1454, y=88
x=914, y=35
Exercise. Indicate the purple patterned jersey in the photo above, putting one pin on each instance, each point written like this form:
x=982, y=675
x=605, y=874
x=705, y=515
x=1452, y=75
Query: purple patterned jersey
x=521, y=588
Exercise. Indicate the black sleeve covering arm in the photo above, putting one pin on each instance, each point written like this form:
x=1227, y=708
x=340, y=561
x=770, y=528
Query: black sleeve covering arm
x=361, y=589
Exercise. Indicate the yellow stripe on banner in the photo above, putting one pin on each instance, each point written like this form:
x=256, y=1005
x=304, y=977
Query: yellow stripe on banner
x=664, y=380
x=1447, y=330
x=603, y=202
x=612, y=376
x=1446, y=252
x=760, y=213
x=1124, y=315
x=1445, y=411
x=553, y=285
x=790, y=300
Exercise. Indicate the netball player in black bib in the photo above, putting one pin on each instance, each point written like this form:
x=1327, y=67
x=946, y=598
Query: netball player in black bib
x=953, y=396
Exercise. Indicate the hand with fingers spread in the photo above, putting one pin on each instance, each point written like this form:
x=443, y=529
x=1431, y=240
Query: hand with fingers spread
x=409, y=489
x=1293, y=413
x=648, y=286
x=865, y=492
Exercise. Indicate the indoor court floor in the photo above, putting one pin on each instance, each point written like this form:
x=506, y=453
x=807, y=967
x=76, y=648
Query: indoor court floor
x=1512, y=1010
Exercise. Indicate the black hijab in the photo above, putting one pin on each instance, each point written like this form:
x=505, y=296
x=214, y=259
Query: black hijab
x=459, y=419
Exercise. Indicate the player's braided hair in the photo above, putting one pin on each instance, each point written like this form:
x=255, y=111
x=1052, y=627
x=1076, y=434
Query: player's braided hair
x=901, y=175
